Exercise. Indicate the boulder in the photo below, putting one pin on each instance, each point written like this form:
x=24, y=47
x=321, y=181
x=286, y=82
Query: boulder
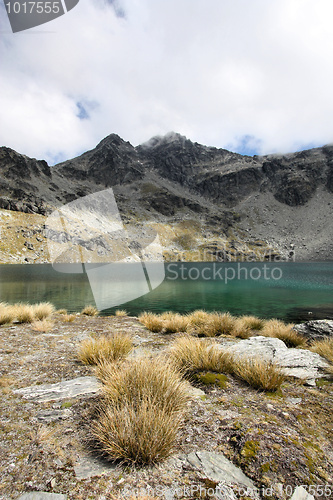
x=298, y=363
x=216, y=467
x=315, y=330
x=81, y=386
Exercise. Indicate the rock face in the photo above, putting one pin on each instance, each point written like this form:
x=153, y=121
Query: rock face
x=298, y=363
x=80, y=386
x=283, y=202
x=316, y=330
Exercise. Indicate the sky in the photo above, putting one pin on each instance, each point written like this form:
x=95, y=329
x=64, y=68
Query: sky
x=251, y=76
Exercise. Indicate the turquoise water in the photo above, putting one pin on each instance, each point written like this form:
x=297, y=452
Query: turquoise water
x=290, y=291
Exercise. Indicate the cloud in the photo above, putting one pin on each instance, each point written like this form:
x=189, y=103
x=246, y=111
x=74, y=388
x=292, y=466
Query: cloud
x=249, y=76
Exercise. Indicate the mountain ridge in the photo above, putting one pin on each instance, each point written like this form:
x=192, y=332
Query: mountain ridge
x=278, y=202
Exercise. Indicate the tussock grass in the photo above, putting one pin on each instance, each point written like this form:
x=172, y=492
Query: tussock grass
x=241, y=329
x=280, y=330
x=24, y=313
x=210, y=324
x=324, y=347
x=173, y=322
x=94, y=350
x=68, y=318
x=43, y=325
x=142, y=410
x=43, y=310
x=121, y=313
x=153, y=322
x=6, y=314
x=191, y=355
x=89, y=311
x=252, y=322
x=61, y=311
x=258, y=373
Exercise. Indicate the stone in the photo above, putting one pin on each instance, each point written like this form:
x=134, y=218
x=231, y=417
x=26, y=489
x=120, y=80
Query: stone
x=87, y=466
x=81, y=386
x=40, y=495
x=316, y=329
x=301, y=494
x=298, y=363
x=217, y=468
x=53, y=415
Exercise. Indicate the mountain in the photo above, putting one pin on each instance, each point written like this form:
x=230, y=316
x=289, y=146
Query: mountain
x=206, y=203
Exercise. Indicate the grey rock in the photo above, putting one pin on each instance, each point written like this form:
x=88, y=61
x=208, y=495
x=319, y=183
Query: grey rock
x=81, y=386
x=301, y=494
x=315, y=330
x=217, y=467
x=40, y=495
x=88, y=466
x=53, y=415
x=298, y=363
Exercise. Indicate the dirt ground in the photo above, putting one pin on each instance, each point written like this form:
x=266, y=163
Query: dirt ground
x=279, y=440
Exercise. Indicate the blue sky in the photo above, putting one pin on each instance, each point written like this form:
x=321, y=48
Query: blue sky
x=252, y=76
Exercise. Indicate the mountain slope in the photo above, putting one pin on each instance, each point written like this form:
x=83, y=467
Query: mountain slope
x=206, y=203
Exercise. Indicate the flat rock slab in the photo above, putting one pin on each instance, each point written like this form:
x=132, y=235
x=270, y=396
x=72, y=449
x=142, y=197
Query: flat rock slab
x=218, y=468
x=301, y=494
x=298, y=363
x=81, y=386
x=40, y=495
x=316, y=329
x=87, y=467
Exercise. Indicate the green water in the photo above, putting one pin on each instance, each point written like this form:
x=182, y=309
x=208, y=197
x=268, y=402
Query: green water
x=289, y=291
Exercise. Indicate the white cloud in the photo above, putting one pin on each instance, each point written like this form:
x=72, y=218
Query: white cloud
x=227, y=74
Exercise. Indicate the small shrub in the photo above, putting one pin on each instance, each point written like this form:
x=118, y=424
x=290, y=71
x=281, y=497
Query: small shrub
x=190, y=355
x=324, y=348
x=153, y=322
x=278, y=329
x=142, y=410
x=258, y=373
x=43, y=310
x=94, y=350
x=89, y=311
x=43, y=325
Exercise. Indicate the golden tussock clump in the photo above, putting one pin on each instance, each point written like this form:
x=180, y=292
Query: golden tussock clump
x=141, y=412
x=89, y=311
x=113, y=347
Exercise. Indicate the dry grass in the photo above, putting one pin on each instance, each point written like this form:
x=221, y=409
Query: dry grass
x=24, y=313
x=94, y=350
x=43, y=325
x=89, y=311
x=173, y=322
x=6, y=314
x=280, y=330
x=153, y=322
x=252, y=322
x=61, y=311
x=241, y=329
x=258, y=373
x=141, y=412
x=68, y=318
x=190, y=355
x=43, y=310
x=6, y=381
x=324, y=348
x=121, y=313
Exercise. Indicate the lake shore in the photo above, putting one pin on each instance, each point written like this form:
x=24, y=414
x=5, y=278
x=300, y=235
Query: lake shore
x=279, y=440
